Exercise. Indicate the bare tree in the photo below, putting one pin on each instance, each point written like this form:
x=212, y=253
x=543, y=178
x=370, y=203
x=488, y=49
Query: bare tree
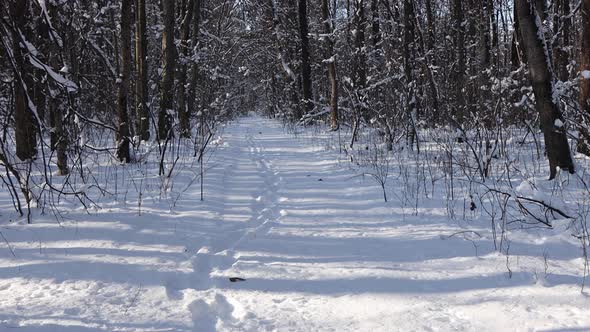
x=305, y=61
x=585, y=73
x=25, y=120
x=331, y=61
x=168, y=64
x=123, y=81
x=142, y=116
x=185, y=30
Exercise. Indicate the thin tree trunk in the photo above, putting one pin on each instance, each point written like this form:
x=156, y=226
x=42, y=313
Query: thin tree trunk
x=459, y=73
x=122, y=97
x=431, y=33
x=168, y=62
x=183, y=111
x=542, y=79
x=375, y=24
x=562, y=25
x=331, y=65
x=408, y=46
x=193, y=74
x=305, y=64
x=142, y=116
x=361, y=59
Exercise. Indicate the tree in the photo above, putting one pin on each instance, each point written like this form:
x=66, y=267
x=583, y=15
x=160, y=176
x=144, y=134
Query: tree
x=168, y=64
x=583, y=145
x=460, y=61
x=123, y=81
x=331, y=63
x=142, y=117
x=25, y=119
x=192, y=88
x=542, y=79
x=305, y=61
x=185, y=30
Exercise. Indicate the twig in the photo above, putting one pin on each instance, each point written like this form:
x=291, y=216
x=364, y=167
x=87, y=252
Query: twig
x=8, y=244
x=134, y=298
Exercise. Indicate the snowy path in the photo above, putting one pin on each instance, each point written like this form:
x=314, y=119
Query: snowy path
x=319, y=250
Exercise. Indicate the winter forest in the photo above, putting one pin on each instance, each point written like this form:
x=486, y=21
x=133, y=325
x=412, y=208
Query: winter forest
x=294, y=165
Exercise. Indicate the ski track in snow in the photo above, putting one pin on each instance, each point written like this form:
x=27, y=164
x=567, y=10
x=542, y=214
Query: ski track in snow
x=318, y=248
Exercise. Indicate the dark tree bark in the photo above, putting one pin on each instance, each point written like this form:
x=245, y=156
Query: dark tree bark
x=25, y=120
x=122, y=95
x=375, y=24
x=460, y=61
x=409, y=36
x=193, y=74
x=562, y=25
x=305, y=63
x=484, y=35
x=331, y=65
x=542, y=79
x=57, y=112
x=431, y=28
x=359, y=43
x=183, y=111
x=142, y=116
x=168, y=63
x=584, y=142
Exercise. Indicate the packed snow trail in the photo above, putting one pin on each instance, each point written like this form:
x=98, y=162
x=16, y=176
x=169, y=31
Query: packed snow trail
x=318, y=248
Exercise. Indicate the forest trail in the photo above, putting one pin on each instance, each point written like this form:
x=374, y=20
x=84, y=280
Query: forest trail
x=318, y=248
x=321, y=251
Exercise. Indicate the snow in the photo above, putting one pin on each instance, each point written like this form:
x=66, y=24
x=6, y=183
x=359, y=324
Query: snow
x=586, y=74
x=59, y=79
x=558, y=123
x=318, y=247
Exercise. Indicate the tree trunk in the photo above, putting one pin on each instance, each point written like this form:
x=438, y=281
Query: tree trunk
x=305, y=65
x=484, y=35
x=122, y=96
x=58, y=99
x=562, y=24
x=331, y=65
x=430, y=35
x=26, y=123
x=359, y=44
x=459, y=72
x=192, y=87
x=183, y=110
x=168, y=62
x=584, y=142
x=408, y=54
x=375, y=26
x=542, y=79
x=142, y=116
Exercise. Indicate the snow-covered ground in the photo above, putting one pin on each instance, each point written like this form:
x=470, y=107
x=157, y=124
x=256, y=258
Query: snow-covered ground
x=318, y=248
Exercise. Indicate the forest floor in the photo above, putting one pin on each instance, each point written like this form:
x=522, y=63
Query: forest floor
x=318, y=248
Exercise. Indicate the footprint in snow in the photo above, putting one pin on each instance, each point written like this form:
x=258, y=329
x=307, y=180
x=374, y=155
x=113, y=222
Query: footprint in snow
x=215, y=314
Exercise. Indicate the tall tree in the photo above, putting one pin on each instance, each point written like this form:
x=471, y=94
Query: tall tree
x=123, y=81
x=584, y=143
x=459, y=54
x=192, y=83
x=331, y=61
x=542, y=78
x=24, y=117
x=185, y=30
x=168, y=64
x=57, y=104
x=305, y=55
x=142, y=116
